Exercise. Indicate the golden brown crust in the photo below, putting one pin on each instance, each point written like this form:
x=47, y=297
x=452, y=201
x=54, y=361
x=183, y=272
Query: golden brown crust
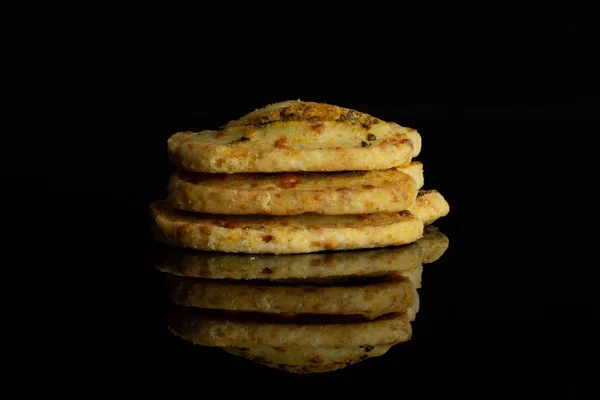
x=430, y=206
x=297, y=136
x=370, y=300
x=239, y=330
x=288, y=194
x=331, y=265
x=303, y=233
x=414, y=169
x=300, y=111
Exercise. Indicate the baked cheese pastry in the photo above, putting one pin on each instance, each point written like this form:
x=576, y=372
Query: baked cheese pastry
x=303, y=233
x=321, y=265
x=334, y=193
x=295, y=136
x=429, y=206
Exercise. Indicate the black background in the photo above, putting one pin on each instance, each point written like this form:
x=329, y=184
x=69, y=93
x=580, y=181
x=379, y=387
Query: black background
x=509, y=307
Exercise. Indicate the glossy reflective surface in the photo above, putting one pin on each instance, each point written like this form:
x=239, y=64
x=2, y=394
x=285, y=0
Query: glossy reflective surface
x=508, y=308
x=330, y=310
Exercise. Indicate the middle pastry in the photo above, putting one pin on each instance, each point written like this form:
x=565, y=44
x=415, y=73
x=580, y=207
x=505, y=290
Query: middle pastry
x=332, y=193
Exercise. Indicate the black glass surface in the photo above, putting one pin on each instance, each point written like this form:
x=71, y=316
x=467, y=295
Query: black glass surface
x=500, y=311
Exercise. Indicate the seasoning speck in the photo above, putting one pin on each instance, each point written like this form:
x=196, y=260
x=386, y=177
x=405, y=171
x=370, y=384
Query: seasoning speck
x=365, y=144
x=351, y=115
x=370, y=136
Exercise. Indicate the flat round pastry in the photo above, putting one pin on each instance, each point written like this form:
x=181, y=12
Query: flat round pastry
x=321, y=265
x=371, y=299
x=245, y=329
x=302, y=233
x=414, y=169
x=303, y=360
x=334, y=193
x=429, y=206
x=296, y=136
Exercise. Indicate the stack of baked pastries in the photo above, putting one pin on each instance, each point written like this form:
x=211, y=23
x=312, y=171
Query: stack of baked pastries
x=288, y=235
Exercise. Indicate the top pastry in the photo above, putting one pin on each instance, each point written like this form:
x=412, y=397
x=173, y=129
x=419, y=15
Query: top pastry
x=297, y=136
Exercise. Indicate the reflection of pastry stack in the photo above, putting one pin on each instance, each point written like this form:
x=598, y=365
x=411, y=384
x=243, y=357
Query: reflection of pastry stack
x=304, y=312
x=288, y=186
